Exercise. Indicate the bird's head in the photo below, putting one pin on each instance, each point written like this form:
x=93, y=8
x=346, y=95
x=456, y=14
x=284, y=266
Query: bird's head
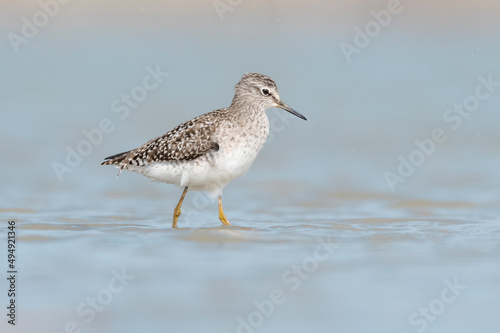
x=258, y=89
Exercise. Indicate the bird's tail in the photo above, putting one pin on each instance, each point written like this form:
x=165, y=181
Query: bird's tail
x=115, y=159
x=118, y=160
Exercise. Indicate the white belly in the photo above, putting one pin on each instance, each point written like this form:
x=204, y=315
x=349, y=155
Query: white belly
x=210, y=173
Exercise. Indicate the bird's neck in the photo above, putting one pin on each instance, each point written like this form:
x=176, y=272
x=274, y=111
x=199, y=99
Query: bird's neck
x=242, y=107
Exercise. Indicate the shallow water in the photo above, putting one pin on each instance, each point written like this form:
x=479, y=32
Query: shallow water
x=319, y=241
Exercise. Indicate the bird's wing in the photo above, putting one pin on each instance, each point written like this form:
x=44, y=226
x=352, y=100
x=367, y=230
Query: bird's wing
x=185, y=142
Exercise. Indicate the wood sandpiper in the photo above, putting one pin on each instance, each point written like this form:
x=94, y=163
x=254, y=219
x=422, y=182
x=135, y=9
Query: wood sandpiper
x=209, y=151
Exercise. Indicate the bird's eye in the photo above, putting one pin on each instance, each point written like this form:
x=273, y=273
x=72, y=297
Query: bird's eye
x=265, y=91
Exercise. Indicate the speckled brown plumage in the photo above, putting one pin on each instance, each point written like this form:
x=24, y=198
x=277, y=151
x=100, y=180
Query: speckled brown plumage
x=185, y=142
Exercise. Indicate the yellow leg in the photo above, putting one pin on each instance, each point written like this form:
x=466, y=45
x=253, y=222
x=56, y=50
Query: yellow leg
x=177, y=210
x=222, y=217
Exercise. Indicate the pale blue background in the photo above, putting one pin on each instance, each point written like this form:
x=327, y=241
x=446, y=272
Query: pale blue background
x=320, y=178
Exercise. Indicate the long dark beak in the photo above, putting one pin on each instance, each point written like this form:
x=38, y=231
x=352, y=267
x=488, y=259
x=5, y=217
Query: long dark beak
x=285, y=107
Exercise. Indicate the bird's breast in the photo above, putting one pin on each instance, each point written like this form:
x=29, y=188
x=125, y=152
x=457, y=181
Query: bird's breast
x=241, y=143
